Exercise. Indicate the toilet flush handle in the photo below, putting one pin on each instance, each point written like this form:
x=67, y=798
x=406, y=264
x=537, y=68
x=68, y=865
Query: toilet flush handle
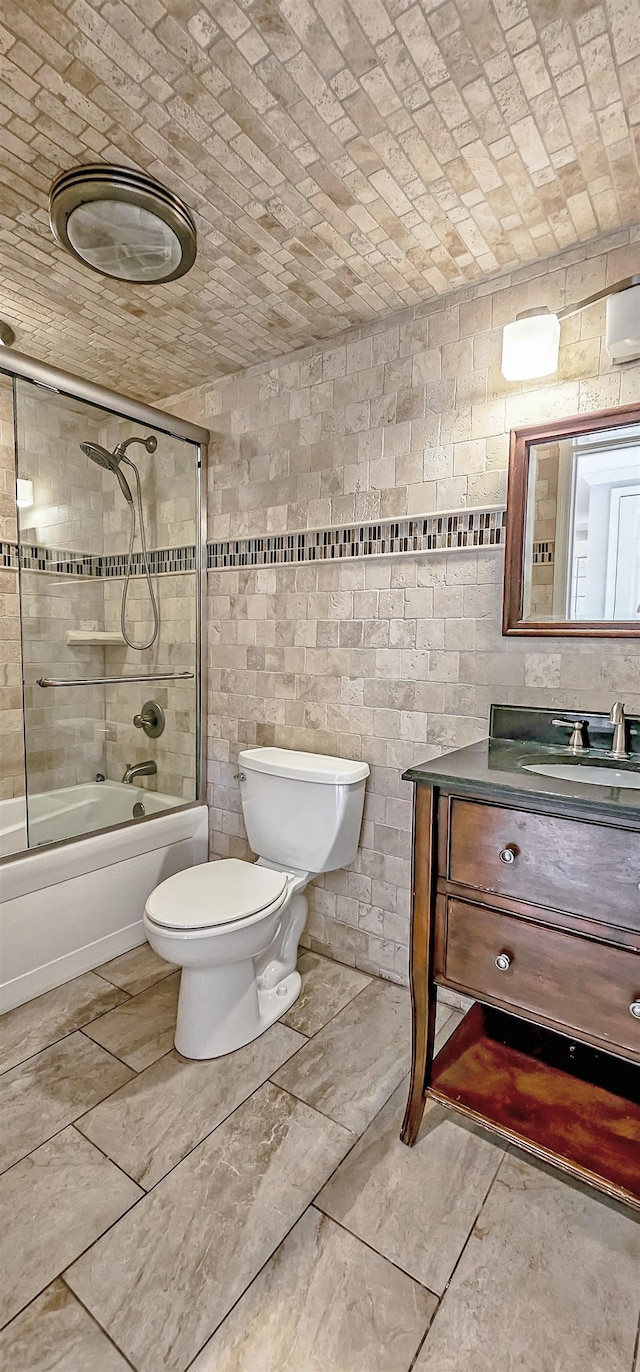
x=239, y=776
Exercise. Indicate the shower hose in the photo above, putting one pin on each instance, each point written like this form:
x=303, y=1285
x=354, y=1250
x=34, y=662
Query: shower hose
x=139, y=647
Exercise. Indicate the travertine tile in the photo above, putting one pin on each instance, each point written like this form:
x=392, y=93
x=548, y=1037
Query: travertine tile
x=199, y=1238
x=136, y=970
x=351, y=1067
x=549, y=1279
x=38, y=1023
x=55, y=1334
x=323, y=1303
x=149, y=1126
x=52, y=1089
x=415, y=1205
x=344, y=161
x=326, y=988
x=54, y=1204
x=141, y=1030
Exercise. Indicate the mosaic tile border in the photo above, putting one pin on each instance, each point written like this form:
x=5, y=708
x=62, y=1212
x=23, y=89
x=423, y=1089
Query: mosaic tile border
x=65, y=562
x=466, y=529
x=454, y=532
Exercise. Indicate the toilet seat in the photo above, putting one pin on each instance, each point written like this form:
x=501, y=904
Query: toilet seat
x=214, y=894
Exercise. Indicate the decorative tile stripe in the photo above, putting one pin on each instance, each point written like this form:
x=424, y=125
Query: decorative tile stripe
x=161, y=560
x=384, y=538
x=64, y=562
x=543, y=551
x=426, y=534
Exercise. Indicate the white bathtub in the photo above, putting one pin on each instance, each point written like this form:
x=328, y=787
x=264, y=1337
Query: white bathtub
x=74, y=810
x=68, y=909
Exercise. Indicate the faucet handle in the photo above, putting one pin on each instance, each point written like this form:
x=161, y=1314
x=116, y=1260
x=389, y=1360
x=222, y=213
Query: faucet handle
x=579, y=741
x=616, y=714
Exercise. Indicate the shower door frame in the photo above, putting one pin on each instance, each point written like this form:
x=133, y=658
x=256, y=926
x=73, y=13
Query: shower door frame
x=18, y=365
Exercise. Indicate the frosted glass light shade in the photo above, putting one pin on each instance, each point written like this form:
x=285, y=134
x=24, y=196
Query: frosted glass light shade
x=124, y=241
x=24, y=493
x=623, y=326
x=530, y=347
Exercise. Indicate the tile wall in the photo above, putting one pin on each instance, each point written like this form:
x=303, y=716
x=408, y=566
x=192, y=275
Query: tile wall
x=393, y=660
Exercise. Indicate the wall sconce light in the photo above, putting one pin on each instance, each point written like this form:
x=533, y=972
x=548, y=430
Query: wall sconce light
x=24, y=493
x=531, y=343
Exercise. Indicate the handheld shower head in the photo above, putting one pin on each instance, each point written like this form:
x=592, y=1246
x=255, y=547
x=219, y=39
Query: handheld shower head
x=96, y=453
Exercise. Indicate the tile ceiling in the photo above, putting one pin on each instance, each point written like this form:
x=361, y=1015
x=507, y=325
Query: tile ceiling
x=343, y=158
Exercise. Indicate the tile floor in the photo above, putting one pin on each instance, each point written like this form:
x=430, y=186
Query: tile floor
x=259, y=1214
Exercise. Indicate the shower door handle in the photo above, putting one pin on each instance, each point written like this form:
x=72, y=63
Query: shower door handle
x=111, y=680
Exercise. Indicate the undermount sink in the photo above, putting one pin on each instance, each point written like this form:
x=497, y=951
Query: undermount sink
x=593, y=776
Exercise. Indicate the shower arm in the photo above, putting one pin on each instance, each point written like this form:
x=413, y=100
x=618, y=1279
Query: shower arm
x=112, y=680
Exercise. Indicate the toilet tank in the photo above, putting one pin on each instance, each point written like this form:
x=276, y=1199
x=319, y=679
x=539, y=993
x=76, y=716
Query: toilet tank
x=302, y=810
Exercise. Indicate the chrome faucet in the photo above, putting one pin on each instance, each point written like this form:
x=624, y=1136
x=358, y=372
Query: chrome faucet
x=139, y=769
x=618, y=748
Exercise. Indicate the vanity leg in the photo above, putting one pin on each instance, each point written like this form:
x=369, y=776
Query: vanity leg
x=423, y=991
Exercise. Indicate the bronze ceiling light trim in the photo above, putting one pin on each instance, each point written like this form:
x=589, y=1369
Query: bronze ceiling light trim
x=122, y=223
x=7, y=336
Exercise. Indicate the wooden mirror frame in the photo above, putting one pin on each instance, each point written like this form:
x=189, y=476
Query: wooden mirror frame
x=521, y=441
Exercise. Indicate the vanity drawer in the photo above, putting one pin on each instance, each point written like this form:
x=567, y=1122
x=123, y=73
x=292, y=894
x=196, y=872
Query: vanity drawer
x=586, y=869
x=578, y=983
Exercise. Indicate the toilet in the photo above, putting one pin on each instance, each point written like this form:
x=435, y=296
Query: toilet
x=234, y=926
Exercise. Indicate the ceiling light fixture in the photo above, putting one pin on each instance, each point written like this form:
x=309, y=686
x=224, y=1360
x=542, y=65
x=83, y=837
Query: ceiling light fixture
x=122, y=223
x=531, y=343
x=7, y=336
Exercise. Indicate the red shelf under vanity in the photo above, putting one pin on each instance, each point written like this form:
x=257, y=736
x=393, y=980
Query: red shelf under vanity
x=564, y=1101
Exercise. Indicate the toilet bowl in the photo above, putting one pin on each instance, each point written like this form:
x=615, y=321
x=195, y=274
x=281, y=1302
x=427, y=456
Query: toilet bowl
x=233, y=926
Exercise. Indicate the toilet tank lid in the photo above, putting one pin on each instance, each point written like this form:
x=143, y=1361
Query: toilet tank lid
x=285, y=762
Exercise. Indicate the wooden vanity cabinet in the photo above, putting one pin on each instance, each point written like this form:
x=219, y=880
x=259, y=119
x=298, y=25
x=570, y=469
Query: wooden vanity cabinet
x=535, y=914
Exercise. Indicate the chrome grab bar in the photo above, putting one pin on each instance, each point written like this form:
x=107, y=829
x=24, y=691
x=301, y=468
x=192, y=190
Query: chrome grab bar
x=111, y=680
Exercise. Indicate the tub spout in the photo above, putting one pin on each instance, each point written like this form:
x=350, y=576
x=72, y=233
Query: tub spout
x=139, y=769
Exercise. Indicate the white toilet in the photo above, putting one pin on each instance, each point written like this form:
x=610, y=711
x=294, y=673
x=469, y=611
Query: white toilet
x=234, y=927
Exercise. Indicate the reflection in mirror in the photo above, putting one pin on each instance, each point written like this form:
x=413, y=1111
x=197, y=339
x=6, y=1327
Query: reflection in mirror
x=581, y=556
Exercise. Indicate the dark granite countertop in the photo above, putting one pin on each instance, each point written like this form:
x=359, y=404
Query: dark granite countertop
x=496, y=765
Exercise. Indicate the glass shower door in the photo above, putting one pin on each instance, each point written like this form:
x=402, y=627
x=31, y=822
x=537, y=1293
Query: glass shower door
x=108, y=590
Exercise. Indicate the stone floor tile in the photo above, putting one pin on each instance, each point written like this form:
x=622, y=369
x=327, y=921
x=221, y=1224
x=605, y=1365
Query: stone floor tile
x=199, y=1238
x=53, y=1204
x=414, y=1205
x=323, y=1303
x=55, y=1334
x=352, y=1066
x=37, y=1023
x=548, y=1282
x=154, y=1122
x=141, y=1030
x=326, y=988
x=50, y=1090
x=136, y=970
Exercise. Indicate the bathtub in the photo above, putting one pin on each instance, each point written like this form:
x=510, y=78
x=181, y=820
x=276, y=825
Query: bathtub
x=71, y=908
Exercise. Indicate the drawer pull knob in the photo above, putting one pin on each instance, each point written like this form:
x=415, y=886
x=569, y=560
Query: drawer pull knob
x=503, y=962
x=634, y=1009
x=507, y=855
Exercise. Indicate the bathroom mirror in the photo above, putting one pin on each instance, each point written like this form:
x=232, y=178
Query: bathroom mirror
x=572, y=558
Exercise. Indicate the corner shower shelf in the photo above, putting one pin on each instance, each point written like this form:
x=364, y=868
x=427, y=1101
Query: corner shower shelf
x=86, y=638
